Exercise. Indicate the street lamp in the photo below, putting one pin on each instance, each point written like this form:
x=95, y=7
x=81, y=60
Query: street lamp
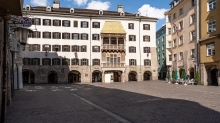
x=23, y=35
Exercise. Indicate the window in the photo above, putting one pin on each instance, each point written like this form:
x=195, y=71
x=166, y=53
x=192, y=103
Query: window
x=95, y=24
x=75, y=48
x=163, y=47
x=212, y=4
x=66, y=48
x=193, y=2
x=34, y=47
x=56, y=48
x=47, y=35
x=46, y=47
x=181, y=55
x=192, y=18
x=35, y=61
x=84, y=61
x=174, y=43
x=193, y=35
x=163, y=56
x=132, y=49
x=163, y=39
x=146, y=49
x=36, y=21
x=95, y=36
x=112, y=58
x=46, y=22
x=174, y=16
x=36, y=34
x=65, y=61
x=181, y=25
x=130, y=25
x=56, y=22
x=96, y=61
x=84, y=24
x=75, y=23
x=174, y=57
x=169, y=31
x=169, y=44
x=84, y=36
x=146, y=38
x=95, y=48
x=132, y=37
x=56, y=35
x=65, y=35
x=75, y=61
x=181, y=40
x=46, y=61
x=100, y=12
x=210, y=48
x=132, y=62
x=169, y=18
x=66, y=23
x=146, y=27
x=158, y=41
x=181, y=11
x=55, y=61
x=147, y=62
x=75, y=36
x=83, y=48
x=212, y=26
x=158, y=57
x=170, y=57
x=26, y=61
x=192, y=53
x=158, y=49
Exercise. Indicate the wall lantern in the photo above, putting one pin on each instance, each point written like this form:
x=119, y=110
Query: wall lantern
x=23, y=35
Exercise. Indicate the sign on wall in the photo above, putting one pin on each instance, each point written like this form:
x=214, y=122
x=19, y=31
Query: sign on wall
x=25, y=21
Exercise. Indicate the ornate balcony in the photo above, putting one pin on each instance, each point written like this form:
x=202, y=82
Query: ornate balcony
x=114, y=65
x=113, y=47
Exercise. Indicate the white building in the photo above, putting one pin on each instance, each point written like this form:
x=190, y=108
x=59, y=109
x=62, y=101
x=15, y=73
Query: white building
x=83, y=45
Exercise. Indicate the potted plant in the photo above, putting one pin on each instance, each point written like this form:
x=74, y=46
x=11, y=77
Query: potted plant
x=197, y=77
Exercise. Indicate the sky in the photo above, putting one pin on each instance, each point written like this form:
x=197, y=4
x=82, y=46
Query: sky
x=152, y=8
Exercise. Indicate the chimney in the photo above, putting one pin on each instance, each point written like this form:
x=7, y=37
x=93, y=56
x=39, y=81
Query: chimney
x=56, y=4
x=120, y=8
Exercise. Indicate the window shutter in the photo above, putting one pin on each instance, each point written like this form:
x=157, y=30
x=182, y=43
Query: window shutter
x=149, y=49
x=134, y=37
x=99, y=49
x=69, y=23
x=81, y=23
x=38, y=47
x=135, y=49
x=129, y=61
x=43, y=62
x=135, y=62
x=87, y=24
x=81, y=36
x=93, y=25
x=39, y=34
x=149, y=38
x=87, y=62
x=59, y=35
x=62, y=35
x=93, y=37
x=62, y=22
x=43, y=21
x=53, y=23
x=43, y=34
x=99, y=24
x=49, y=34
x=33, y=21
x=78, y=36
x=92, y=61
x=85, y=49
x=87, y=36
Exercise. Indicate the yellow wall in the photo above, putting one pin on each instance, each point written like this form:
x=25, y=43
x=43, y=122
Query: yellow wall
x=205, y=17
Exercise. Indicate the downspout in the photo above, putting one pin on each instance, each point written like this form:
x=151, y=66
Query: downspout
x=198, y=37
x=140, y=46
x=90, y=51
x=12, y=82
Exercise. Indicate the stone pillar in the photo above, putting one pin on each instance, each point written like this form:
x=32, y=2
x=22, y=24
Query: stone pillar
x=15, y=78
x=20, y=82
x=123, y=77
x=103, y=76
x=203, y=74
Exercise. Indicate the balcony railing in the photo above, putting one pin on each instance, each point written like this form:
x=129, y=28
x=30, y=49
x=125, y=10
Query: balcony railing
x=113, y=47
x=113, y=65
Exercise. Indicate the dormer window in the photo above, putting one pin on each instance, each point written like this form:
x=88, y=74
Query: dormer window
x=28, y=7
x=122, y=14
x=138, y=14
x=48, y=9
x=71, y=10
x=100, y=12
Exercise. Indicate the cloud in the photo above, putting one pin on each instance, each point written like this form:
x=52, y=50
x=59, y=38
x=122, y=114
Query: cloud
x=97, y=4
x=152, y=11
x=80, y=2
x=39, y=2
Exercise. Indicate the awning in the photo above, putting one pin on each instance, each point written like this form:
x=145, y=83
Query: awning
x=113, y=28
x=14, y=6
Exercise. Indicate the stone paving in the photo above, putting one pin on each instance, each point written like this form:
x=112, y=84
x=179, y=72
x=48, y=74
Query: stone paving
x=135, y=102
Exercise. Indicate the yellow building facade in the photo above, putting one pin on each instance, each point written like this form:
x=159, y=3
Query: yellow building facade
x=209, y=42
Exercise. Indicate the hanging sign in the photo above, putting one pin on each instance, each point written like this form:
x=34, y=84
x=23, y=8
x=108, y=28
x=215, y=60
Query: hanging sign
x=25, y=21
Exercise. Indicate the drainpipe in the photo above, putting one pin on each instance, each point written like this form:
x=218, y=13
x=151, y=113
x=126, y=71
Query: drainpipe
x=4, y=68
x=90, y=52
x=198, y=36
x=140, y=46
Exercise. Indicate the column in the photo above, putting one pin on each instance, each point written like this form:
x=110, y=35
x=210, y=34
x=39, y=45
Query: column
x=20, y=82
x=123, y=77
x=15, y=78
x=117, y=41
x=103, y=76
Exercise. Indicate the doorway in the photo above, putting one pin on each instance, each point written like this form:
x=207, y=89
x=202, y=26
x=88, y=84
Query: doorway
x=132, y=76
x=191, y=73
x=97, y=76
x=52, y=77
x=214, y=77
x=28, y=76
x=147, y=76
x=74, y=77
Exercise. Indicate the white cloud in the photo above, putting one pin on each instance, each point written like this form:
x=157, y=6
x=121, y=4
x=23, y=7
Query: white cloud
x=39, y=2
x=96, y=4
x=152, y=11
x=80, y=2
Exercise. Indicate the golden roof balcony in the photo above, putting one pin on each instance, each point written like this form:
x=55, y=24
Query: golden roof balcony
x=113, y=65
x=113, y=47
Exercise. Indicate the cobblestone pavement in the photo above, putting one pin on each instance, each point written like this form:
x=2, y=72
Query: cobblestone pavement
x=135, y=102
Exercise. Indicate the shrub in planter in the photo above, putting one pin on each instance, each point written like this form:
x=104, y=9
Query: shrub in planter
x=197, y=77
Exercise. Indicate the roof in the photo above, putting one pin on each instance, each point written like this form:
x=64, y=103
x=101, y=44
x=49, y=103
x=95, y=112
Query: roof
x=113, y=27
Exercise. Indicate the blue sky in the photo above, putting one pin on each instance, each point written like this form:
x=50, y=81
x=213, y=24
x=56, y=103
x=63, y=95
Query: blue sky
x=152, y=8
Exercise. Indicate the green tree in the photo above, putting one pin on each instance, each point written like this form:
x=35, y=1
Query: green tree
x=197, y=77
x=173, y=74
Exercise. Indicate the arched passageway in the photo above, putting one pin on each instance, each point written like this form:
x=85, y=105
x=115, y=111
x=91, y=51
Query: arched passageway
x=147, y=76
x=28, y=76
x=97, y=76
x=52, y=77
x=180, y=73
x=74, y=77
x=191, y=73
x=214, y=77
x=132, y=76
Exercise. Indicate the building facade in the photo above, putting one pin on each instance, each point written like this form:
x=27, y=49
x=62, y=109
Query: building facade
x=181, y=36
x=161, y=52
x=210, y=42
x=83, y=45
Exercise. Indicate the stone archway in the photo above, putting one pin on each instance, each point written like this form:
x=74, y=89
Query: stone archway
x=147, y=76
x=52, y=77
x=28, y=76
x=74, y=77
x=180, y=73
x=132, y=76
x=96, y=76
x=191, y=73
x=214, y=77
